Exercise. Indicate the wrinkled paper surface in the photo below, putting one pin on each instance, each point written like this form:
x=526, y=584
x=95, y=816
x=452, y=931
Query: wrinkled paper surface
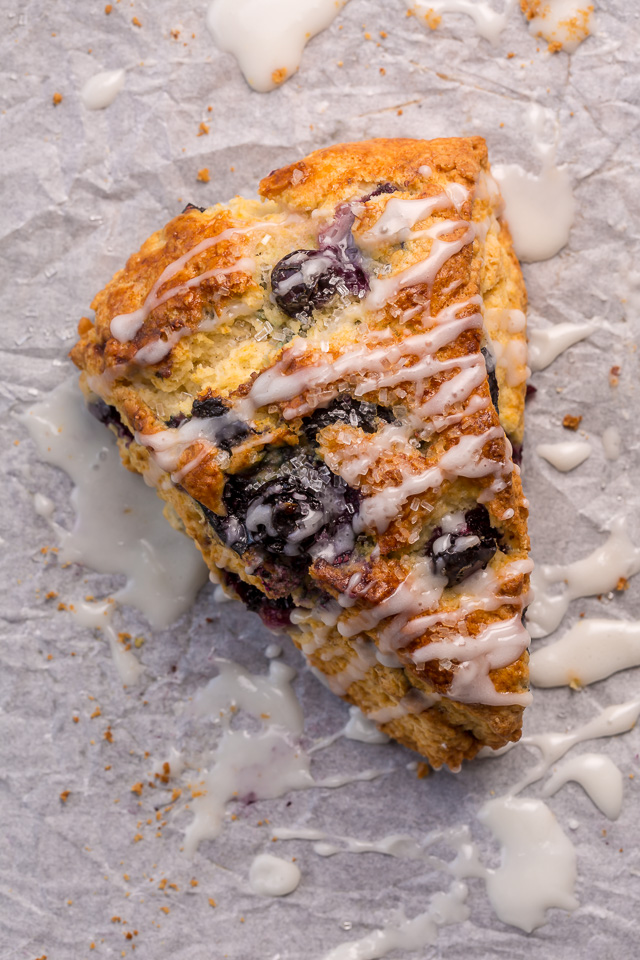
x=80, y=191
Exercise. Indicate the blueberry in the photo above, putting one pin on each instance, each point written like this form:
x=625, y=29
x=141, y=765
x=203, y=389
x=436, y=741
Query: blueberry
x=530, y=392
x=307, y=280
x=208, y=407
x=344, y=409
x=110, y=417
x=453, y=559
x=379, y=190
x=490, y=363
x=192, y=206
x=295, y=509
x=516, y=454
x=275, y=614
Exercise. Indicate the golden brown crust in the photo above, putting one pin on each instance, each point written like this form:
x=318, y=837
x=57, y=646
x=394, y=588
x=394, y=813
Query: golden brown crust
x=221, y=335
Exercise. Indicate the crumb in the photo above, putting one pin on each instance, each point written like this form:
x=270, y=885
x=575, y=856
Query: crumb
x=175, y=33
x=57, y=98
x=108, y=736
x=367, y=36
x=212, y=902
x=62, y=606
x=614, y=376
x=137, y=838
x=203, y=129
x=193, y=882
x=570, y=422
x=135, y=22
x=423, y=770
x=108, y=766
x=510, y=56
x=399, y=113
x=383, y=34
x=203, y=175
x=339, y=63
x=575, y=684
x=108, y=9
x=432, y=19
x=51, y=595
x=209, y=109
x=162, y=884
x=64, y=796
x=622, y=584
x=177, y=792
x=137, y=788
x=382, y=71
x=76, y=719
x=279, y=76
x=165, y=910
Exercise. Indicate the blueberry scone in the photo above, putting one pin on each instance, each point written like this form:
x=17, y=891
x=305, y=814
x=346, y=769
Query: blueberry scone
x=326, y=386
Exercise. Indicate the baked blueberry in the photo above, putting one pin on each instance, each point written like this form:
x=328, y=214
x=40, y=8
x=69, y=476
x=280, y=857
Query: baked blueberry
x=192, y=206
x=110, y=417
x=275, y=614
x=462, y=545
x=490, y=363
x=344, y=409
x=307, y=280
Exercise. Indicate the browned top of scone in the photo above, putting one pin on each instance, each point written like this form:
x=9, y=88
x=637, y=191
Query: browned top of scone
x=339, y=171
x=221, y=329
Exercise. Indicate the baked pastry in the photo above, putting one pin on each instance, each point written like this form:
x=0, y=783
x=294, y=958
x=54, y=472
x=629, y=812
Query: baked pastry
x=325, y=386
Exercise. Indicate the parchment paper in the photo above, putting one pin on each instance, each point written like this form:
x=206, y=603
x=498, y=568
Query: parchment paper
x=80, y=191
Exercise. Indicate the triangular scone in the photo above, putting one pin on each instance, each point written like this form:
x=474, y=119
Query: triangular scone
x=311, y=383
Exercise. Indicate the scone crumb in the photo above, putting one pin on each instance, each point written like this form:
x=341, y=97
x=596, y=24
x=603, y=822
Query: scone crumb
x=64, y=796
x=569, y=422
x=57, y=98
x=135, y=22
x=108, y=9
x=203, y=175
x=432, y=19
x=212, y=902
x=423, y=770
x=137, y=788
x=614, y=376
x=279, y=76
x=96, y=713
x=84, y=325
x=203, y=129
x=622, y=584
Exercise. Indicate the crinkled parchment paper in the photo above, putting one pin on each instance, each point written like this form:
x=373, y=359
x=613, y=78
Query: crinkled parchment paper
x=80, y=191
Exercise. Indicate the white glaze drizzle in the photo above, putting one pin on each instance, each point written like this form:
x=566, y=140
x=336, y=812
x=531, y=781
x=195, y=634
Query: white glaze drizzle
x=538, y=861
x=488, y=22
x=599, y=572
x=124, y=326
x=265, y=765
x=591, y=650
x=445, y=907
x=598, y=776
x=267, y=37
x=119, y=526
x=102, y=89
x=271, y=876
x=548, y=343
x=611, y=722
x=611, y=443
x=98, y=616
x=374, y=366
x=464, y=459
x=540, y=208
x=563, y=22
x=566, y=455
x=385, y=289
x=499, y=644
